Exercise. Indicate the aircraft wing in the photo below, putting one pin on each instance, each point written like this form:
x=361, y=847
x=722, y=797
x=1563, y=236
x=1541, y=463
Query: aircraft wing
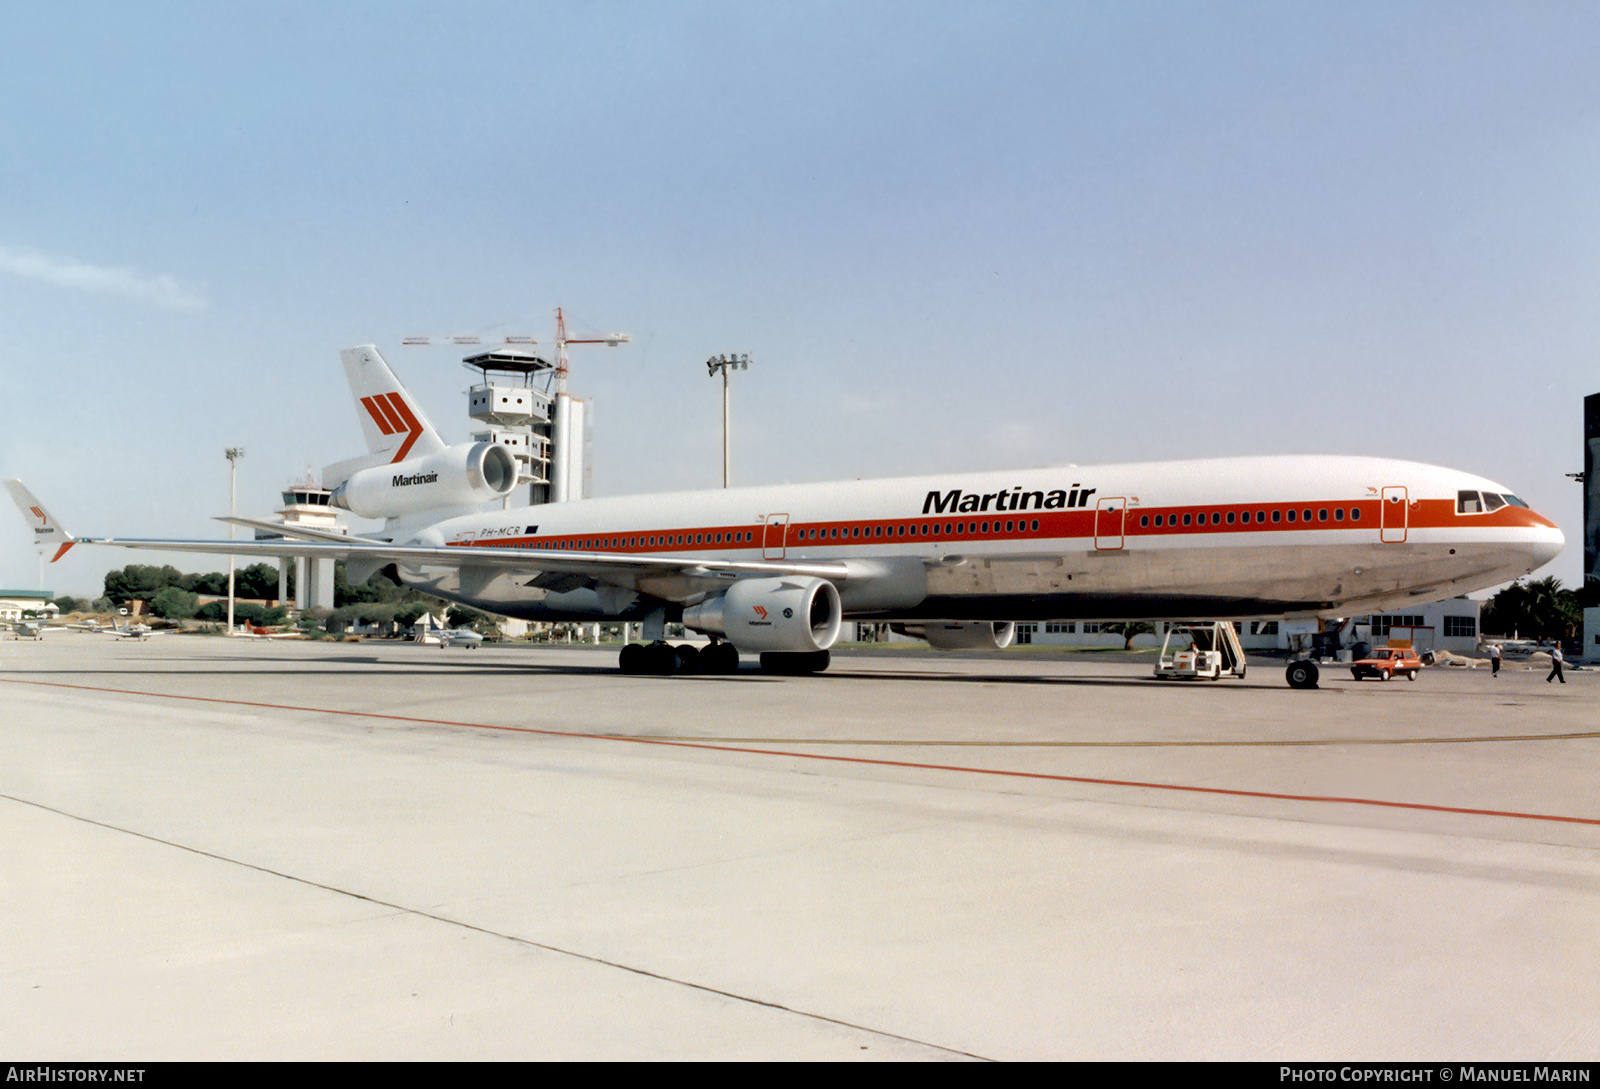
x=672, y=578
x=276, y=530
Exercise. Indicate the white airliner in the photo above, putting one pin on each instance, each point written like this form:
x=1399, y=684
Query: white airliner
x=954, y=559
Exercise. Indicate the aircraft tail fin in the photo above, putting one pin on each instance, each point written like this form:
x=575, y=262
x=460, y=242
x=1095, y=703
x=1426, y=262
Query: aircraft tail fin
x=394, y=424
x=46, y=530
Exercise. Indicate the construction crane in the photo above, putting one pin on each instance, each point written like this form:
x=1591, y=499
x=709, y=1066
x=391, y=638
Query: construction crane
x=567, y=423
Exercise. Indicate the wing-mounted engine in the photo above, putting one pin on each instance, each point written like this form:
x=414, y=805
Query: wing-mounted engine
x=952, y=636
x=459, y=476
x=788, y=615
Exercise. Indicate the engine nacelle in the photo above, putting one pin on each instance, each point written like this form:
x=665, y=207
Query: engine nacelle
x=791, y=615
x=464, y=475
x=948, y=635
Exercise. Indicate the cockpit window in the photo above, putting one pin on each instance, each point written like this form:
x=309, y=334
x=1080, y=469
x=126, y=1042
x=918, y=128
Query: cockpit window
x=1491, y=501
x=1514, y=501
x=1468, y=503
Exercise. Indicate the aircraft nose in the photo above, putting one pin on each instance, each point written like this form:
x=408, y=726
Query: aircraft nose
x=1545, y=544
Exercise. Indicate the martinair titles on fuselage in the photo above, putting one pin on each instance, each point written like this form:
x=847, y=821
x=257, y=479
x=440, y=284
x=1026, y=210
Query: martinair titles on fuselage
x=955, y=501
x=414, y=478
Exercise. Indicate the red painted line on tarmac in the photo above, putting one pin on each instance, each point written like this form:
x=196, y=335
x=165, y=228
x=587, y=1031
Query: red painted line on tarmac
x=866, y=760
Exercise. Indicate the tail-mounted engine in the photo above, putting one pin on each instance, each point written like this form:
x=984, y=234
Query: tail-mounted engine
x=790, y=615
x=459, y=476
x=953, y=636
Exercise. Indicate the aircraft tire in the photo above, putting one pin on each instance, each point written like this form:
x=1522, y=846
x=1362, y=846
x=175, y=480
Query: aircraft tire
x=631, y=660
x=1302, y=674
x=720, y=658
x=661, y=660
x=688, y=656
x=794, y=665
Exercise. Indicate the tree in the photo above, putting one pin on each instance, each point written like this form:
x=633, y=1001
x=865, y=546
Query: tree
x=139, y=581
x=1542, y=610
x=211, y=584
x=376, y=588
x=174, y=603
x=258, y=581
x=1128, y=629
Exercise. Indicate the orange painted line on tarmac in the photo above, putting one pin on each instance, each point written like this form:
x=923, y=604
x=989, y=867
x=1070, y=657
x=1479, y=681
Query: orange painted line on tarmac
x=865, y=760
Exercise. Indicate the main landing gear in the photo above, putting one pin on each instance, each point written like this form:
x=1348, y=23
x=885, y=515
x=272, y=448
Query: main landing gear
x=1302, y=674
x=661, y=659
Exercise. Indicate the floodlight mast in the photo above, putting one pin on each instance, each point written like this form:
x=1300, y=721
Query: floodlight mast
x=724, y=364
x=233, y=454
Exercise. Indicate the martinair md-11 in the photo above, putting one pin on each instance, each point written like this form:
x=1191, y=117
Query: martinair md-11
x=955, y=560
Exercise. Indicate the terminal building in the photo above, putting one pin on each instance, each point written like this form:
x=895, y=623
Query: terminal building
x=1590, y=477
x=1451, y=625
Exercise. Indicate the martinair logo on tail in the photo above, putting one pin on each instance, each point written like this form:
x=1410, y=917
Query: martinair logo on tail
x=394, y=417
x=39, y=514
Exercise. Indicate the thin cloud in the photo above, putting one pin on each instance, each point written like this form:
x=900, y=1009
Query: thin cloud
x=80, y=276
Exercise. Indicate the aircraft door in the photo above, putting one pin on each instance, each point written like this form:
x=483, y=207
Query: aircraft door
x=774, y=537
x=1109, y=517
x=1393, y=515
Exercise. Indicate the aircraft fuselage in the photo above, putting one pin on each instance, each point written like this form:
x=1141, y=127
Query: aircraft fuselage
x=1221, y=539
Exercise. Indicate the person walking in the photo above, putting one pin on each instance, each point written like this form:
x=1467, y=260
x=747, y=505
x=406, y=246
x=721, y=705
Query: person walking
x=1555, y=666
x=1494, y=659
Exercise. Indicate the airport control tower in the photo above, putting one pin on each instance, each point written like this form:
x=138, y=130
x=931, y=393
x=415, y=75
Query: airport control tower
x=307, y=504
x=513, y=396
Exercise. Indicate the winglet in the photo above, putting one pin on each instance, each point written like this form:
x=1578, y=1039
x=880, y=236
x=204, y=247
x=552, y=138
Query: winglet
x=46, y=530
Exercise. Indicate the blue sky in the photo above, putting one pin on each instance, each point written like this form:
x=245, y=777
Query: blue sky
x=950, y=236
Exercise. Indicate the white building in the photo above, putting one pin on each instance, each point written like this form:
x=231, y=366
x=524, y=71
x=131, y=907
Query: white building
x=1441, y=625
x=13, y=603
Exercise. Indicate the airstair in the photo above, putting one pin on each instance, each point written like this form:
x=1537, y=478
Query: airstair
x=1196, y=651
